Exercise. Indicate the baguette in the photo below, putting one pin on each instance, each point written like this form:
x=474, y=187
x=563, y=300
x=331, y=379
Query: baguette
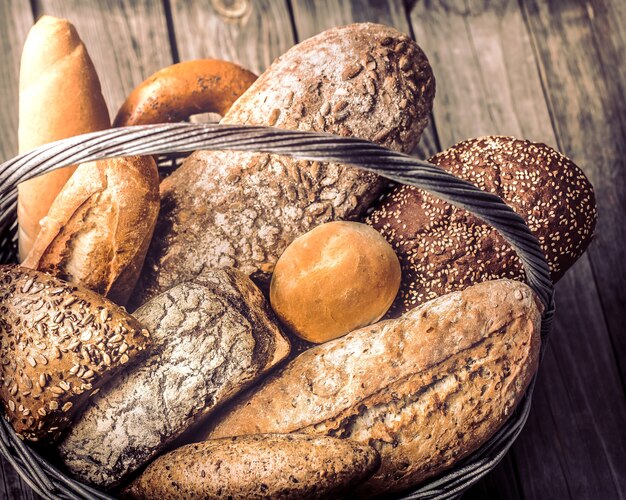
x=425, y=390
x=99, y=227
x=243, y=209
x=276, y=466
x=59, y=97
x=212, y=338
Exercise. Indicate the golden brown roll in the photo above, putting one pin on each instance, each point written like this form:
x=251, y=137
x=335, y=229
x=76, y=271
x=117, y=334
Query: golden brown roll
x=338, y=277
x=60, y=97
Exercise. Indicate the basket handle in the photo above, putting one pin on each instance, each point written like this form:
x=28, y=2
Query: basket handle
x=180, y=137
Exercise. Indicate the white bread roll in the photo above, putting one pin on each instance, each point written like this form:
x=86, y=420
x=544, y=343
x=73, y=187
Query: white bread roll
x=60, y=97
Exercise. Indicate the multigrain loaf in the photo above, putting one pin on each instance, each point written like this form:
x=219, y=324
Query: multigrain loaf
x=425, y=390
x=59, y=343
x=243, y=209
x=288, y=466
x=99, y=227
x=444, y=249
x=211, y=338
x=59, y=97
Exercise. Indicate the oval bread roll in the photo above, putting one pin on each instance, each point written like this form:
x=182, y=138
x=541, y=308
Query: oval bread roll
x=425, y=390
x=289, y=466
x=100, y=225
x=60, y=97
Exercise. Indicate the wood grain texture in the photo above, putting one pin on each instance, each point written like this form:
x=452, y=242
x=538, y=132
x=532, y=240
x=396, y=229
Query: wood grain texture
x=580, y=54
x=126, y=39
x=484, y=61
x=249, y=33
x=16, y=18
x=313, y=16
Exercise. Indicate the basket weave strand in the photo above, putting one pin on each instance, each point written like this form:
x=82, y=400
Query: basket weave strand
x=175, y=139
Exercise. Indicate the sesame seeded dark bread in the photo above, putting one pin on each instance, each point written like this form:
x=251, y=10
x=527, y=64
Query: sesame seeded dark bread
x=443, y=249
x=425, y=390
x=243, y=209
x=59, y=343
x=287, y=466
x=212, y=337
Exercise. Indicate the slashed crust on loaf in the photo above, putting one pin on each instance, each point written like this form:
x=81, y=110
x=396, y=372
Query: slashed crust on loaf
x=443, y=249
x=99, y=227
x=277, y=466
x=243, y=209
x=425, y=389
x=211, y=338
x=59, y=343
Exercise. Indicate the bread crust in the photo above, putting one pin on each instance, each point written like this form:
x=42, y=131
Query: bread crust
x=211, y=338
x=175, y=93
x=243, y=209
x=60, y=343
x=290, y=466
x=443, y=249
x=99, y=227
x=60, y=97
x=425, y=389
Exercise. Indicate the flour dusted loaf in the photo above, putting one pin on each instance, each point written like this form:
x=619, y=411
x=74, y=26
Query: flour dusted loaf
x=59, y=343
x=425, y=390
x=243, y=209
x=212, y=337
x=444, y=249
x=288, y=466
x=99, y=227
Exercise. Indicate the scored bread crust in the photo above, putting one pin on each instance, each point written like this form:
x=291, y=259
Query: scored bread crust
x=243, y=209
x=99, y=227
x=277, y=466
x=425, y=389
x=212, y=337
x=443, y=249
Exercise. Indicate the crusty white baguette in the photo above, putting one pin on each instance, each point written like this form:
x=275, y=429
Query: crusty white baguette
x=99, y=227
x=425, y=390
x=59, y=97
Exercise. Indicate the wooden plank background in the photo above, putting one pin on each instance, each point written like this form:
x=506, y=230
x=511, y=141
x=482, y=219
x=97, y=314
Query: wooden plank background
x=547, y=70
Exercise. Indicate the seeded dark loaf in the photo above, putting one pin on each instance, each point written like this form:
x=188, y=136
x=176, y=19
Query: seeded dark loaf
x=277, y=466
x=425, y=390
x=59, y=343
x=212, y=337
x=443, y=249
x=243, y=209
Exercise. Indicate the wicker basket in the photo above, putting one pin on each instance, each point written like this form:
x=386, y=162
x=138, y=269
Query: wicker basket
x=174, y=139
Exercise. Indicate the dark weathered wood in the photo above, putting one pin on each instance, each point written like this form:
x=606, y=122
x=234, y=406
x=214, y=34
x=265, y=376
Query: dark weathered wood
x=16, y=18
x=127, y=40
x=250, y=33
x=312, y=17
x=580, y=49
x=484, y=62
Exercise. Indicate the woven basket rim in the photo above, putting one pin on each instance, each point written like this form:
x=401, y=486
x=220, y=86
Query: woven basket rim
x=173, y=139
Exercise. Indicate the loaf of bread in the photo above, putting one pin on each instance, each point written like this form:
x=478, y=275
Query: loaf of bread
x=60, y=97
x=425, y=390
x=336, y=278
x=59, y=343
x=243, y=209
x=212, y=337
x=276, y=466
x=444, y=249
x=99, y=227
